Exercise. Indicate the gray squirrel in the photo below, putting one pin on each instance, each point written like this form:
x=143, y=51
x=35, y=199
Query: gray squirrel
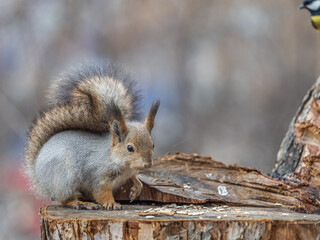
x=87, y=142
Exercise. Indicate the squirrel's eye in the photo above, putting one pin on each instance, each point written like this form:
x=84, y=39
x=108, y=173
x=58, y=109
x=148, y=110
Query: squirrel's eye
x=153, y=146
x=130, y=148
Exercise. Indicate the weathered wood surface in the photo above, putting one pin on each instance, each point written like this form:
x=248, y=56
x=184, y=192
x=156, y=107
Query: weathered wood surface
x=191, y=178
x=299, y=154
x=219, y=223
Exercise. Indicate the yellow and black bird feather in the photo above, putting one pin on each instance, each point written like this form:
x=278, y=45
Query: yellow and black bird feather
x=313, y=6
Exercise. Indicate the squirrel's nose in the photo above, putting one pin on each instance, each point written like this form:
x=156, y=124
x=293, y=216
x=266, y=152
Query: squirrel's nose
x=147, y=165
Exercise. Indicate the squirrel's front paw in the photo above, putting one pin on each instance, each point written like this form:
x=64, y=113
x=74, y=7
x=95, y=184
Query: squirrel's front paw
x=135, y=192
x=111, y=206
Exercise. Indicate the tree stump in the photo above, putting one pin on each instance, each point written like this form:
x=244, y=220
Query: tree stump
x=225, y=202
x=174, y=222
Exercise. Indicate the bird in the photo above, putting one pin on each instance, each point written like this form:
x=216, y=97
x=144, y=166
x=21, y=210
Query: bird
x=313, y=6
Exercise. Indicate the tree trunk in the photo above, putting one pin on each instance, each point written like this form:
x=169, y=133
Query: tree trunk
x=257, y=206
x=298, y=157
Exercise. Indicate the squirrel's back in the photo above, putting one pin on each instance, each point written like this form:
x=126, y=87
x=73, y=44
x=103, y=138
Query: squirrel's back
x=88, y=98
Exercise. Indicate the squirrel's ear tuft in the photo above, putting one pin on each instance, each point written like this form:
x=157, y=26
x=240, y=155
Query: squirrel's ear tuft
x=119, y=131
x=151, y=116
x=118, y=126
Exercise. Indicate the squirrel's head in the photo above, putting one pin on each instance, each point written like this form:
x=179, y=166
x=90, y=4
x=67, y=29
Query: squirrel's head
x=132, y=141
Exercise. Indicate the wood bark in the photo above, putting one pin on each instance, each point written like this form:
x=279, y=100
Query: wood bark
x=299, y=154
x=259, y=206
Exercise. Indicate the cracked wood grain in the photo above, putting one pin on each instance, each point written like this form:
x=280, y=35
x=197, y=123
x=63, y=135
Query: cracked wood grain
x=191, y=178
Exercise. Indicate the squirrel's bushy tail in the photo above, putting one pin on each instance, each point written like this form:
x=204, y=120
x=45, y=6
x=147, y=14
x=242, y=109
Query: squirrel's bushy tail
x=88, y=98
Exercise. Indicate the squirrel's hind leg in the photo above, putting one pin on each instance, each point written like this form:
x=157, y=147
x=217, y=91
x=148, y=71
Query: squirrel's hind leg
x=104, y=196
x=77, y=204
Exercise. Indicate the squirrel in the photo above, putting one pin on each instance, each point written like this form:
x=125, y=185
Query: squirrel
x=88, y=141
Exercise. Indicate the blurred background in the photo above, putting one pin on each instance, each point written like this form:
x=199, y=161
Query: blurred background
x=230, y=76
